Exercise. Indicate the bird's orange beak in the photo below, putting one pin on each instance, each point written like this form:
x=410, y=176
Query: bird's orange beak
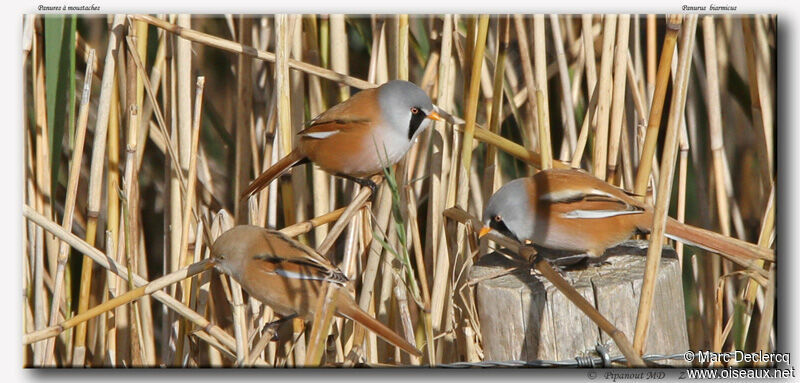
x=484, y=230
x=435, y=116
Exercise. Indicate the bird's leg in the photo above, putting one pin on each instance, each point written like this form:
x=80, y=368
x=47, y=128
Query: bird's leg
x=528, y=252
x=365, y=182
x=273, y=326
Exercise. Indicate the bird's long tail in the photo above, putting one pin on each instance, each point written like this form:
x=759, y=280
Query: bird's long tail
x=716, y=242
x=349, y=309
x=274, y=171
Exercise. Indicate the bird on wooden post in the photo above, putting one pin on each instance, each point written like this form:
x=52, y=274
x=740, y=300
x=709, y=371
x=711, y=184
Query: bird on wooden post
x=567, y=209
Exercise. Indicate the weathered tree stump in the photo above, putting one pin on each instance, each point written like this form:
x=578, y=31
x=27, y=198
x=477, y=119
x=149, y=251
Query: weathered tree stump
x=524, y=317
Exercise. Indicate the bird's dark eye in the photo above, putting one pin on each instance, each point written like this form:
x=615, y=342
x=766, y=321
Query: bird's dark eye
x=498, y=218
x=414, y=110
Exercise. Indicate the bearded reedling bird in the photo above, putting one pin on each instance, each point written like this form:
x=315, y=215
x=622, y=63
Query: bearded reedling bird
x=360, y=136
x=288, y=276
x=571, y=210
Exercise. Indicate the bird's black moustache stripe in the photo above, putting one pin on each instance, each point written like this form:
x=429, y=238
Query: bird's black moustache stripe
x=416, y=122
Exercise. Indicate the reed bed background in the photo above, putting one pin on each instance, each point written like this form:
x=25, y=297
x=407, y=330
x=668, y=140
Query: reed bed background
x=142, y=130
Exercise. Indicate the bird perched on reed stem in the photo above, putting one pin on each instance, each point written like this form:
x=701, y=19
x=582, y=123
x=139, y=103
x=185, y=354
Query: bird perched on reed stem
x=360, y=136
x=289, y=276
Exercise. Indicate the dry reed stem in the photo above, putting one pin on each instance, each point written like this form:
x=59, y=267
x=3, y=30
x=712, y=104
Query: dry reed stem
x=491, y=176
x=657, y=106
x=540, y=73
x=651, y=57
x=339, y=52
x=759, y=98
x=677, y=103
x=588, y=47
x=440, y=158
x=72, y=192
x=617, y=127
x=599, y=155
x=545, y=148
x=749, y=293
x=471, y=112
x=566, y=88
x=243, y=140
x=151, y=93
x=96, y=179
x=583, y=136
x=189, y=199
x=129, y=297
x=715, y=123
x=528, y=76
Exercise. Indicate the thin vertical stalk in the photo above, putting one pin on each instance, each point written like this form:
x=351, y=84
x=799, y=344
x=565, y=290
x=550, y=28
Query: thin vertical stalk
x=69, y=205
x=339, y=52
x=243, y=111
x=618, y=101
x=588, y=48
x=657, y=106
x=540, y=73
x=651, y=57
x=491, y=175
x=678, y=104
x=566, y=88
x=528, y=76
x=283, y=86
x=440, y=158
x=599, y=156
x=189, y=199
x=715, y=123
x=96, y=180
x=320, y=179
x=471, y=112
x=760, y=98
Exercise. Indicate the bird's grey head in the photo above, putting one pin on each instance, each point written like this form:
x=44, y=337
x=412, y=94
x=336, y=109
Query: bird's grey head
x=406, y=107
x=230, y=249
x=509, y=210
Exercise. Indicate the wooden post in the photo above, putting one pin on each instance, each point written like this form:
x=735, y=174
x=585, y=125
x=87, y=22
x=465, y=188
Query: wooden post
x=524, y=317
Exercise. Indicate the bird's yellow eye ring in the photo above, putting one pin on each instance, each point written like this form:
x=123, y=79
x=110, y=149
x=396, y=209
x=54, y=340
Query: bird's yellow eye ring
x=414, y=110
x=498, y=218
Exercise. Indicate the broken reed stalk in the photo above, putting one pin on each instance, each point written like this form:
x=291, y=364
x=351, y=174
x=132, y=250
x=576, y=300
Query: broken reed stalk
x=657, y=106
x=69, y=205
x=96, y=180
x=677, y=103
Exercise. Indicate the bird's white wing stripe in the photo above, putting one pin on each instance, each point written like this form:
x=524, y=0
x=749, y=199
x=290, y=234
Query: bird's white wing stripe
x=594, y=214
x=321, y=135
x=571, y=194
x=296, y=275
